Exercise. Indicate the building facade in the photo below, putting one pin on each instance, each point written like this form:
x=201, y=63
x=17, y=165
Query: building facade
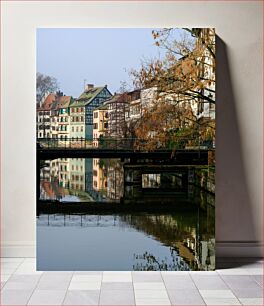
x=83, y=107
x=100, y=125
x=43, y=116
x=63, y=106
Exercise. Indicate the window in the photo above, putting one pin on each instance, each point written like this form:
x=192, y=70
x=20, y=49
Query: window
x=82, y=109
x=106, y=125
x=81, y=128
x=77, y=109
x=95, y=114
x=72, y=167
x=81, y=118
x=95, y=126
x=95, y=173
x=73, y=129
x=77, y=129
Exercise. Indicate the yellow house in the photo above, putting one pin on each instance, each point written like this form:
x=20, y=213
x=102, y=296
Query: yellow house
x=100, y=123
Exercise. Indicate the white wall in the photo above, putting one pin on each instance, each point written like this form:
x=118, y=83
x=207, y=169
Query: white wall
x=239, y=111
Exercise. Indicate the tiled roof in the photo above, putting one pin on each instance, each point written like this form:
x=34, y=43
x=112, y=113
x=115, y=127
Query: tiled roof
x=101, y=107
x=87, y=96
x=118, y=98
x=48, y=101
x=64, y=101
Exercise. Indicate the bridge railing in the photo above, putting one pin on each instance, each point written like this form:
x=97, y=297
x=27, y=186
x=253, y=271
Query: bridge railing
x=135, y=144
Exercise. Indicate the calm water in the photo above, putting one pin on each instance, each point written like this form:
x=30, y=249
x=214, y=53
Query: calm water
x=179, y=239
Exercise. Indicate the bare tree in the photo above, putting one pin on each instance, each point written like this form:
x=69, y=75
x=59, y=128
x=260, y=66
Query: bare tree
x=44, y=85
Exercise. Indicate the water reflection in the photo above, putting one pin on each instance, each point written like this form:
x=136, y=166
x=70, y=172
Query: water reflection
x=181, y=239
x=80, y=179
x=153, y=242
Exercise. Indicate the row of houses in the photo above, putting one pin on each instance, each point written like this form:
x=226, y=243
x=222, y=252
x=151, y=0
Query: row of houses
x=96, y=112
x=63, y=117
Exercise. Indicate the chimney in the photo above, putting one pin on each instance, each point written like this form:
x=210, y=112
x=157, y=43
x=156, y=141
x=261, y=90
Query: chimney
x=89, y=86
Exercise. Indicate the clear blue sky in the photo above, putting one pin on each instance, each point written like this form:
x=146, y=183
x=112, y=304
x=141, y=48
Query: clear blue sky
x=101, y=56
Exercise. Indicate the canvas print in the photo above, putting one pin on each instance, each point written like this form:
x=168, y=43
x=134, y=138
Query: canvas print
x=125, y=144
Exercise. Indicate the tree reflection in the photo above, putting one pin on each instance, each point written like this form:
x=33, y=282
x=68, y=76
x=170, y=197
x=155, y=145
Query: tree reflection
x=148, y=262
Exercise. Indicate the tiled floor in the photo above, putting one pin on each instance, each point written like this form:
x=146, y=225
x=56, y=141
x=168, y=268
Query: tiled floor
x=236, y=282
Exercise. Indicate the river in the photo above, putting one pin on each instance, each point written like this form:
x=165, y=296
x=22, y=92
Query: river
x=179, y=236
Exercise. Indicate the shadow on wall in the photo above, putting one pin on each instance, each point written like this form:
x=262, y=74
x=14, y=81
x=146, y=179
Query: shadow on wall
x=234, y=215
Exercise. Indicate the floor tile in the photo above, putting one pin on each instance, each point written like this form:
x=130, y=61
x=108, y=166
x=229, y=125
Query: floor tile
x=117, y=276
x=240, y=282
x=87, y=278
x=185, y=297
x=146, y=276
x=20, y=285
x=151, y=294
x=251, y=301
x=207, y=273
x=15, y=297
x=258, y=279
x=47, y=297
x=24, y=278
x=209, y=282
x=222, y=301
x=217, y=294
x=149, y=286
x=88, y=273
x=178, y=282
x=233, y=271
x=54, y=281
x=82, y=297
x=158, y=302
x=248, y=293
x=117, y=297
x=27, y=268
x=85, y=286
x=176, y=273
x=117, y=286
